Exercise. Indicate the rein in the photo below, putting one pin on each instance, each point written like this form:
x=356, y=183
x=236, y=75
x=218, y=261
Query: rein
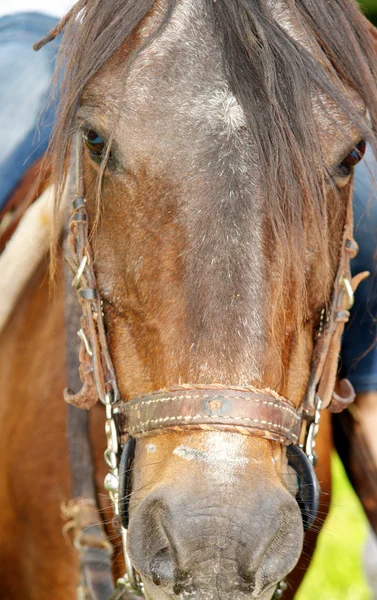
x=244, y=410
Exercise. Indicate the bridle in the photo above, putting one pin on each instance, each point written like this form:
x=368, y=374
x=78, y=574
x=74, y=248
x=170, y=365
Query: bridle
x=243, y=410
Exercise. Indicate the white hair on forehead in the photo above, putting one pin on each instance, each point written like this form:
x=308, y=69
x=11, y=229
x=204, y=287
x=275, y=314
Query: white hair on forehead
x=221, y=107
x=217, y=105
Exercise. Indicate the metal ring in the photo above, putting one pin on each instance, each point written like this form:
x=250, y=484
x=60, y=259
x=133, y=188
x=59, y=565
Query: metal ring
x=125, y=480
x=308, y=489
x=108, y=401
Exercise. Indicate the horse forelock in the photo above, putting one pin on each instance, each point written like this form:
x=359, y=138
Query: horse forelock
x=245, y=128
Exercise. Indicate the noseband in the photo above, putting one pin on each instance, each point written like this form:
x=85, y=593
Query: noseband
x=243, y=410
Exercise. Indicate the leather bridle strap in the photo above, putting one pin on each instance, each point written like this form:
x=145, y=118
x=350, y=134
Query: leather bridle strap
x=249, y=411
x=81, y=511
x=325, y=358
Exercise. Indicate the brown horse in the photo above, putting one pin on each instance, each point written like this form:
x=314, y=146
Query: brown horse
x=218, y=149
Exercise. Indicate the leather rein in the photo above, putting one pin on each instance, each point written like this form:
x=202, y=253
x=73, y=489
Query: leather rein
x=244, y=410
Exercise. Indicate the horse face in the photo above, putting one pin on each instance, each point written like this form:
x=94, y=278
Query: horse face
x=189, y=271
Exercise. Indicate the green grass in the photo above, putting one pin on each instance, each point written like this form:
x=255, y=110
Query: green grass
x=336, y=572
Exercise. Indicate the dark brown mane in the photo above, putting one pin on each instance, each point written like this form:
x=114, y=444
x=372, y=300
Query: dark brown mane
x=272, y=77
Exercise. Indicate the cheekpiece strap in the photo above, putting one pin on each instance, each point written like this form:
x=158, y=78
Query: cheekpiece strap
x=325, y=358
x=96, y=368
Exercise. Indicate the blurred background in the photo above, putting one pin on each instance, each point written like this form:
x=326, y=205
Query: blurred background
x=370, y=8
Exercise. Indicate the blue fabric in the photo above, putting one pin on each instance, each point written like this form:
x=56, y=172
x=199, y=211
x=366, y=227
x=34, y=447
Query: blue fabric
x=359, y=351
x=25, y=79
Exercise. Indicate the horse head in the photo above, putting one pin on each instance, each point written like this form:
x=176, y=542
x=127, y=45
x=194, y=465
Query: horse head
x=219, y=142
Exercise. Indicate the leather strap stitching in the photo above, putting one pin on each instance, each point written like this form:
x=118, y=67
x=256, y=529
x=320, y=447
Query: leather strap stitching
x=186, y=418
x=139, y=404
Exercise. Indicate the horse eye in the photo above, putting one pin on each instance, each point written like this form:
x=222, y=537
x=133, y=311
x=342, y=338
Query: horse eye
x=352, y=159
x=94, y=143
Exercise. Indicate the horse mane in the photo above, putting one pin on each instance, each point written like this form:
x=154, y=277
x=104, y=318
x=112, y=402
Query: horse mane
x=273, y=78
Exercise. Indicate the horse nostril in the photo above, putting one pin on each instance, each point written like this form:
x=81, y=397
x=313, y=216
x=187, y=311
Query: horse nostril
x=247, y=577
x=162, y=567
x=164, y=571
x=155, y=577
x=177, y=589
x=181, y=582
